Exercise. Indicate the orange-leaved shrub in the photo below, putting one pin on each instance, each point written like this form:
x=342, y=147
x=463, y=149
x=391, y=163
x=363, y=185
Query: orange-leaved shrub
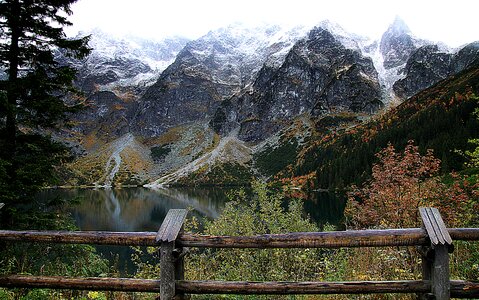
x=401, y=183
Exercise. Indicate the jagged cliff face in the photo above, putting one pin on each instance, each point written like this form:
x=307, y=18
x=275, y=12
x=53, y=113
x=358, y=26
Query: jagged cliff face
x=318, y=76
x=205, y=73
x=429, y=64
x=112, y=78
x=397, y=44
x=466, y=57
x=107, y=114
x=425, y=66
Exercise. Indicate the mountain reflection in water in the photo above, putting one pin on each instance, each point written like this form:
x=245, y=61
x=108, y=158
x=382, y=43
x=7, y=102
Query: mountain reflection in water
x=137, y=209
x=141, y=209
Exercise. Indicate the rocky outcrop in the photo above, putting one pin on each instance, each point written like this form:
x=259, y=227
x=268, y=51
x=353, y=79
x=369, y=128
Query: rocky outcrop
x=429, y=64
x=319, y=75
x=99, y=71
x=425, y=66
x=199, y=113
x=123, y=62
x=105, y=115
x=205, y=73
x=397, y=44
x=466, y=57
x=112, y=77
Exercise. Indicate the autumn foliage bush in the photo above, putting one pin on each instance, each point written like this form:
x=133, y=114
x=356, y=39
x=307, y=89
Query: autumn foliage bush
x=403, y=182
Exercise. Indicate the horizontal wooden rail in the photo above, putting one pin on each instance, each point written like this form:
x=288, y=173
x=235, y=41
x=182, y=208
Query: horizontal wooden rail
x=91, y=283
x=82, y=237
x=285, y=288
x=464, y=234
x=335, y=239
x=464, y=289
x=459, y=289
x=435, y=239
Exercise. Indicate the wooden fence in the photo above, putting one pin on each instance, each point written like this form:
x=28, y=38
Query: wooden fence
x=434, y=240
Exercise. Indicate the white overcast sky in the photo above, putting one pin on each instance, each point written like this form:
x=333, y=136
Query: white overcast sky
x=453, y=22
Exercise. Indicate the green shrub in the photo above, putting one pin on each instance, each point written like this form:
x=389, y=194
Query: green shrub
x=263, y=213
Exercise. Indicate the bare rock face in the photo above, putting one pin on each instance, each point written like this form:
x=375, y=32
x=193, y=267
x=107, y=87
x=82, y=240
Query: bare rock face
x=113, y=76
x=200, y=105
x=122, y=62
x=425, y=66
x=107, y=114
x=205, y=73
x=429, y=64
x=319, y=75
x=397, y=44
x=466, y=57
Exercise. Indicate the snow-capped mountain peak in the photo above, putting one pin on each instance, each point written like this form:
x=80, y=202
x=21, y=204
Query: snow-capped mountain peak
x=349, y=40
x=398, y=27
x=125, y=61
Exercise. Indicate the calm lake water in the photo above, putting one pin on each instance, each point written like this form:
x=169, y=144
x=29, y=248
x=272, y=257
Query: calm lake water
x=136, y=209
x=141, y=209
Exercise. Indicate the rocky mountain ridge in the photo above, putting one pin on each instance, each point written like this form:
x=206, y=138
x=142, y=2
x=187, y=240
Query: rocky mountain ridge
x=208, y=71
x=236, y=87
x=318, y=76
x=431, y=64
x=117, y=63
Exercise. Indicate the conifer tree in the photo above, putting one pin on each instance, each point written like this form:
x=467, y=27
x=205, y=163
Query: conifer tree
x=33, y=93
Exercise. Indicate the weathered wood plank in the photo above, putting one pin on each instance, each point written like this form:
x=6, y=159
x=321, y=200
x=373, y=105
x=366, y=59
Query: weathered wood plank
x=94, y=284
x=81, y=237
x=2, y=205
x=437, y=233
x=440, y=273
x=464, y=234
x=221, y=287
x=464, y=289
x=459, y=289
x=171, y=226
x=442, y=227
x=435, y=226
x=179, y=255
x=367, y=238
x=167, y=270
x=428, y=225
x=427, y=257
x=335, y=239
x=284, y=288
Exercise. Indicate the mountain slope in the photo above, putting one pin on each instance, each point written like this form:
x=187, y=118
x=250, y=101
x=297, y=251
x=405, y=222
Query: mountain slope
x=206, y=72
x=397, y=44
x=318, y=76
x=239, y=102
x=438, y=118
x=126, y=62
x=430, y=64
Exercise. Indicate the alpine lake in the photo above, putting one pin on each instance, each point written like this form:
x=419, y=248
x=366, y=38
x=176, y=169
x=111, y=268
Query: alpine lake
x=143, y=209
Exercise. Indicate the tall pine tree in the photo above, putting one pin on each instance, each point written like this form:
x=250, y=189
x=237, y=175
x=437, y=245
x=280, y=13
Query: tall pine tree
x=33, y=97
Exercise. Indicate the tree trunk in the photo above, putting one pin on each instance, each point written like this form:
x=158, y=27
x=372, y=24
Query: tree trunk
x=12, y=85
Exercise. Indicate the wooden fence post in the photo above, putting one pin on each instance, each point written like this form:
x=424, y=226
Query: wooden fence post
x=427, y=259
x=2, y=205
x=436, y=258
x=171, y=268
